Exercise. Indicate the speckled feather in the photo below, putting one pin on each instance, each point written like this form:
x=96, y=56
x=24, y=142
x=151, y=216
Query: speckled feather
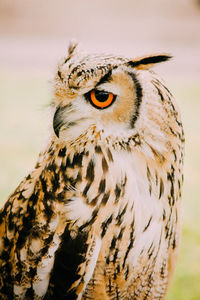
x=99, y=216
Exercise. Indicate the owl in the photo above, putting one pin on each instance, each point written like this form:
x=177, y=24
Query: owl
x=99, y=215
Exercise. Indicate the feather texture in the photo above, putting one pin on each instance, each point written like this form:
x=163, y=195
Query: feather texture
x=99, y=216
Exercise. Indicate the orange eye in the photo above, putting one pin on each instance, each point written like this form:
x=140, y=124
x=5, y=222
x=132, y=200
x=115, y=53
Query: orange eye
x=101, y=99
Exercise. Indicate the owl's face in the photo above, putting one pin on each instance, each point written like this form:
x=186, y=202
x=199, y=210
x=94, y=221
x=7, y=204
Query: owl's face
x=113, y=94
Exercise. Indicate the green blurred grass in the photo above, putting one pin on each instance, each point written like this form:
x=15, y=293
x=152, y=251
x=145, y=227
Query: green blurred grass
x=186, y=283
x=23, y=124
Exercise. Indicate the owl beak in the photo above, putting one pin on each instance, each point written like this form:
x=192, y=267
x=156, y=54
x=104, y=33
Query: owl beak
x=58, y=120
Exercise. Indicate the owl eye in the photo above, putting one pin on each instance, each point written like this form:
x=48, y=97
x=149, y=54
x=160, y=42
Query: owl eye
x=101, y=99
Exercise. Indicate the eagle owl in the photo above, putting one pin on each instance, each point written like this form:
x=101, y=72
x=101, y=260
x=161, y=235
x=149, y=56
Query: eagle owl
x=99, y=216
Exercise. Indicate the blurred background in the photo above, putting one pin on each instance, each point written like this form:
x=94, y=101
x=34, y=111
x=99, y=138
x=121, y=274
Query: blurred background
x=34, y=35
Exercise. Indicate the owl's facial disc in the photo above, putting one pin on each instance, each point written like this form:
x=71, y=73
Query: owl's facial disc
x=111, y=105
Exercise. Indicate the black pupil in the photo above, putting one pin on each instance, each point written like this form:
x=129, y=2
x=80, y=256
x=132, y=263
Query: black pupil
x=101, y=96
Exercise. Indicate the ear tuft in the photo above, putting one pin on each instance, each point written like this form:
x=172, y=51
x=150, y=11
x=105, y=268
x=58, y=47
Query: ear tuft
x=147, y=62
x=72, y=47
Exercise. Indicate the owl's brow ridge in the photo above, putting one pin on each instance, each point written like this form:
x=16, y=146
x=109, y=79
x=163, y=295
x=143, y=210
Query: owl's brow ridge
x=106, y=77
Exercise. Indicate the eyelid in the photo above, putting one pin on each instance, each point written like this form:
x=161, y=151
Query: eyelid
x=86, y=95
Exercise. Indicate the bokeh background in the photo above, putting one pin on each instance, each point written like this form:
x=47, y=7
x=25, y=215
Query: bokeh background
x=34, y=35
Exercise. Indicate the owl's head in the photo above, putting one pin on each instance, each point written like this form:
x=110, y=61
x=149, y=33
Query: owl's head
x=118, y=96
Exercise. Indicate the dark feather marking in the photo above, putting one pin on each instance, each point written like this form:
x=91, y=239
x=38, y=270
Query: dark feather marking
x=107, y=260
x=174, y=243
x=172, y=192
x=117, y=293
x=67, y=59
x=104, y=165
x=105, y=198
x=149, y=60
x=55, y=180
x=5, y=255
x=121, y=233
x=149, y=180
x=119, y=217
x=105, y=78
x=105, y=225
x=175, y=156
x=62, y=152
x=6, y=287
x=47, y=242
x=86, y=189
x=164, y=215
x=127, y=272
x=151, y=253
x=110, y=157
x=77, y=159
x=68, y=258
x=109, y=286
x=166, y=230
x=59, y=74
x=47, y=196
x=130, y=246
x=90, y=171
x=91, y=221
x=172, y=131
x=161, y=188
x=150, y=189
x=79, y=177
x=29, y=293
x=150, y=247
x=156, y=175
x=102, y=186
x=32, y=272
x=98, y=149
x=117, y=193
x=48, y=211
x=7, y=242
x=168, y=91
x=4, y=213
x=113, y=243
x=170, y=177
x=159, y=91
x=69, y=164
x=149, y=222
x=162, y=270
x=176, y=220
x=118, y=268
x=148, y=174
x=157, y=154
x=94, y=201
x=138, y=99
x=170, y=236
x=28, y=220
x=11, y=224
x=115, y=255
x=124, y=184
